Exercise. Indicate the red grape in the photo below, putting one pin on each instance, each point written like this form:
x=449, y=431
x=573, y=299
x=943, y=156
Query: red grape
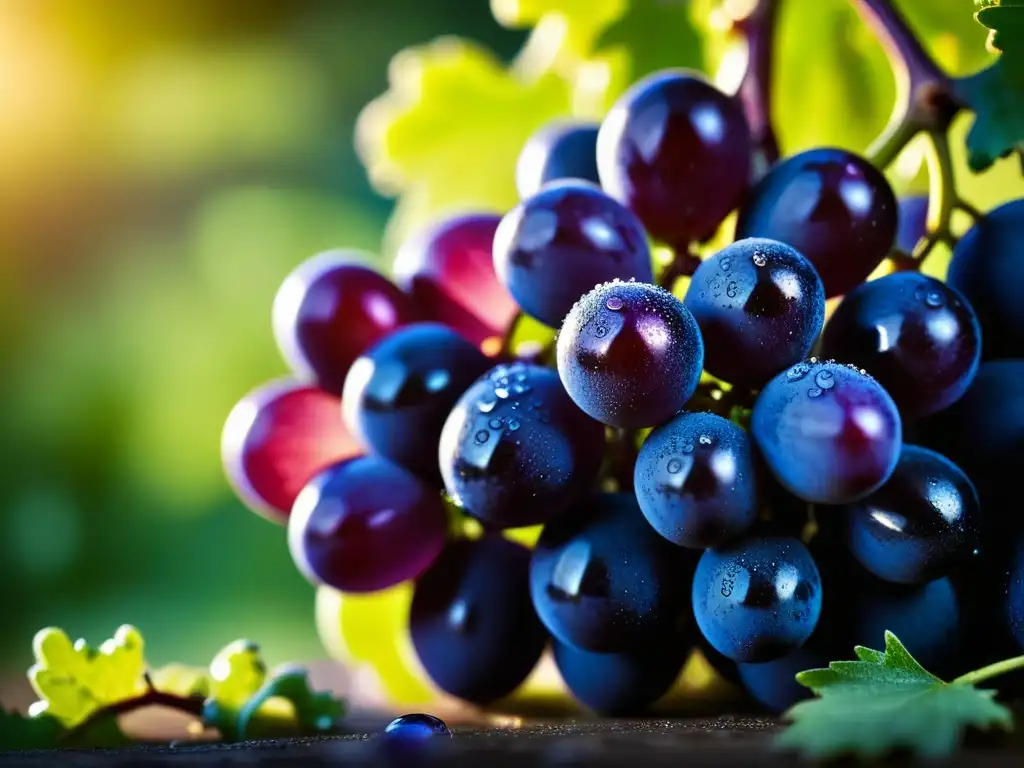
x=276, y=438
x=364, y=524
x=449, y=272
x=329, y=310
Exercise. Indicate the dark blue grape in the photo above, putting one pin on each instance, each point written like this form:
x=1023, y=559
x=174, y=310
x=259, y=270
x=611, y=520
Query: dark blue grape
x=983, y=434
x=365, y=524
x=398, y=394
x=603, y=580
x=760, y=307
x=416, y=727
x=913, y=222
x=630, y=354
x=515, y=450
x=1015, y=597
x=757, y=599
x=678, y=152
x=924, y=521
x=557, y=245
x=918, y=337
x=695, y=480
x=988, y=267
x=833, y=206
x=557, y=151
x=472, y=622
x=621, y=684
x=828, y=432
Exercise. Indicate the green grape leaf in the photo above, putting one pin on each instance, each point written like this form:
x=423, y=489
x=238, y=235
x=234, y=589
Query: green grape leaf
x=883, y=702
x=314, y=711
x=236, y=673
x=20, y=732
x=447, y=134
x=181, y=680
x=74, y=680
x=995, y=94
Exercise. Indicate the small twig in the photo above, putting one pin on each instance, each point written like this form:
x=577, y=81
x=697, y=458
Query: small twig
x=683, y=264
x=964, y=207
x=190, y=705
x=894, y=139
x=755, y=88
x=903, y=261
x=942, y=189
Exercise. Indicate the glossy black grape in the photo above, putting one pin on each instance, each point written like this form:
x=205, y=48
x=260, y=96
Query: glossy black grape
x=555, y=246
x=828, y=432
x=757, y=600
x=983, y=434
x=1015, y=597
x=557, y=151
x=760, y=307
x=678, y=152
x=923, y=522
x=917, y=336
x=515, y=450
x=398, y=394
x=621, y=684
x=472, y=622
x=630, y=354
x=988, y=268
x=603, y=580
x=833, y=206
x=695, y=480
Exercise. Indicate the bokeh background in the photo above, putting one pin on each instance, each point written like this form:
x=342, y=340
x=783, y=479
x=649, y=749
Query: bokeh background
x=164, y=164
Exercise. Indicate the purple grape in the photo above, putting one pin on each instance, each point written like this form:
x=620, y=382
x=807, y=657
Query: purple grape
x=562, y=150
x=515, y=450
x=695, y=480
x=833, y=206
x=760, y=307
x=557, y=245
x=918, y=337
x=330, y=310
x=364, y=525
x=448, y=270
x=677, y=152
x=630, y=354
x=829, y=433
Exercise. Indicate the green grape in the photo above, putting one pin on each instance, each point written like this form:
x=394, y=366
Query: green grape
x=74, y=680
x=236, y=673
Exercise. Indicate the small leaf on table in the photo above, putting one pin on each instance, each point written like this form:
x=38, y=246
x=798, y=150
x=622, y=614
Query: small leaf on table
x=886, y=701
x=19, y=731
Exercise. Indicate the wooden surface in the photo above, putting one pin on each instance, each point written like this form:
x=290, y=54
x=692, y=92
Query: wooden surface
x=681, y=743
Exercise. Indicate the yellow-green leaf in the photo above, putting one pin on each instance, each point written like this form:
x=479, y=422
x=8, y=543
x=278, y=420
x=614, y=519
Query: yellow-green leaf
x=236, y=673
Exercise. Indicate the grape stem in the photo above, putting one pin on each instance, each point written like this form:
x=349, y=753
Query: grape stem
x=683, y=264
x=990, y=671
x=190, y=705
x=755, y=88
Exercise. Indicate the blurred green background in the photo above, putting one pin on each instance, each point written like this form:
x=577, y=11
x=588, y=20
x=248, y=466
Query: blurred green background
x=164, y=164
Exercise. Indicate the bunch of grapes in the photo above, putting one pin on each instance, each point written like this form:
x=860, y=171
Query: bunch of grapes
x=728, y=470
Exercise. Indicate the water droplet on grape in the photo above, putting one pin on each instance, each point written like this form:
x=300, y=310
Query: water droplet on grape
x=726, y=263
x=437, y=380
x=674, y=466
x=600, y=331
x=482, y=436
x=815, y=392
x=486, y=406
x=501, y=392
x=687, y=448
x=731, y=290
x=934, y=300
x=494, y=423
x=825, y=379
x=798, y=371
x=513, y=424
x=614, y=303
x=760, y=259
x=705, y=440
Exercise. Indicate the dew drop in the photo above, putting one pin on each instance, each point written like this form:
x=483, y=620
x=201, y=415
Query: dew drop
x=726, y=263
x=825, y=379
x=486, y=406
x=501, y=392
x=731, y=290
x=705, y=440
x=814, y=392
x=934, y=300
x=687, y=448
x=674, y=466
x=798, y=371
x=614, y=303
x=760, y=259
x=513, y=424
x=482, y=436
x=494, y=423
x=600, y=332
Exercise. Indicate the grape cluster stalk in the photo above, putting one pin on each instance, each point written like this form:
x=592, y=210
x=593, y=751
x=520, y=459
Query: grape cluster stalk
x=716, y=463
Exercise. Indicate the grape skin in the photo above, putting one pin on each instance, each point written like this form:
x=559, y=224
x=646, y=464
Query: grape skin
x=695, y=480
x=760, y=307
x=919, y=525
x=560, y=150
x=329, y=310
x=829, y=433
x=515, y=450
x=555, y=246
x=399, y=393
x=678, y=152
x=364, y=524
x=918, y=337
x=833, y=206
x=756, y=600
x=472, y=622
x=630, y=354
x=602, y=580
x=448, y=270
x=987, y=267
